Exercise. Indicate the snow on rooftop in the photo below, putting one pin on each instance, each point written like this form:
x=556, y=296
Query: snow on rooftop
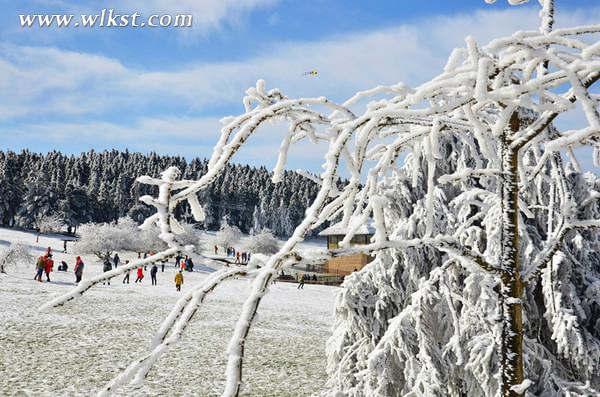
x=339, y=229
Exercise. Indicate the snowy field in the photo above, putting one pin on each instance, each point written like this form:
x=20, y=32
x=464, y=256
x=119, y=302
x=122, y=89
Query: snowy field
x=75, y=349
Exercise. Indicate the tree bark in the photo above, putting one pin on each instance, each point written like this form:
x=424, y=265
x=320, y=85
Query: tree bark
x=512, y=284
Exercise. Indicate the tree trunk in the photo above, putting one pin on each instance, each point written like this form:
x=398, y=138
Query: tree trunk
x=512, y=285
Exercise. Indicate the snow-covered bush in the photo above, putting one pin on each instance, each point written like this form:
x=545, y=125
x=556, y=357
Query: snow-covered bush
x=189, y=236
x=227, y=235
x=50, y=224
x=263, y=242
x=148, y=240
x=103, y=239
x=486, y=242
x=15, y=254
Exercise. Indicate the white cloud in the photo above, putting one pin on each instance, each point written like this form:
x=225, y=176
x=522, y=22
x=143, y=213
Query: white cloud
x=47, y=80
x=79, y=83
x=144, y=130
x=207, y=14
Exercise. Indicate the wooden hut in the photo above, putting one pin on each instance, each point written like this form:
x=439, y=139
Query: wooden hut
x=344, y=265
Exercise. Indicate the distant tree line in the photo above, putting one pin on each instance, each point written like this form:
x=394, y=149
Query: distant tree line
x=100, y=187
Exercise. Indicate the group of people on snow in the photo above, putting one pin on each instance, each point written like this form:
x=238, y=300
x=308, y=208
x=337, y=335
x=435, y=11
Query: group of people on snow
x=45, y=264
x=240, y=257
x=184, y=263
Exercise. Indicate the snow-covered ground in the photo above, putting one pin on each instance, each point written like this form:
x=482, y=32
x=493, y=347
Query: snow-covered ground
x=75, y=349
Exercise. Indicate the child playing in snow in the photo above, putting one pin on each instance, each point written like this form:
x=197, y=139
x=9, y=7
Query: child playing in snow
x=178, y=280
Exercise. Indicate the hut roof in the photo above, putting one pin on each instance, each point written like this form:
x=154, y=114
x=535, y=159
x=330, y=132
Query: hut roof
x=339, y=230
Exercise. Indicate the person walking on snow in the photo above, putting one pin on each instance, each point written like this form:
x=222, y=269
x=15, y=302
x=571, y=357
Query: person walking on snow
x=126, y=278
x=237, y=258
x=301, y=283
x=116, y=261
x=49, y=265
x=39, y=268
x=216, y=250
x=106, y=267
x=178, y=280
x=78, y=269
x=153, y=272
x=140, y=274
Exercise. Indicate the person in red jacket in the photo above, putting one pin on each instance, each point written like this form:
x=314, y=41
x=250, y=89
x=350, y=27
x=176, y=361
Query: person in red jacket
x=49, y=266
x=140, y=274
x=78, y=269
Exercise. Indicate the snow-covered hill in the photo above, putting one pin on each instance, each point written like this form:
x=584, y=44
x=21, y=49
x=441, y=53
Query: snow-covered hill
x=75, y=349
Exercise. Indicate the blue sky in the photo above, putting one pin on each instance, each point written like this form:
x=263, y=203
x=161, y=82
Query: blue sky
x=165, y=89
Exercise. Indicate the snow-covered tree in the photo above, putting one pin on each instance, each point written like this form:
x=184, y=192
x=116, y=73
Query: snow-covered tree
x=189, y=236
x=227, y=235
x=15, y=254
x=100, y=187
x=48, y=224
x=74, y=208
x=262, y=242
x=39, y=202
x=10, y=189
x=147, y=240
x=103, y=239
x=486, y=275
x=139, y=212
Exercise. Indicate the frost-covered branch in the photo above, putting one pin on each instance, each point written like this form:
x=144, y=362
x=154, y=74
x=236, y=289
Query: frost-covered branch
x=15, y=254
x=86, y=284
x=553, y=245
x=443, y=243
